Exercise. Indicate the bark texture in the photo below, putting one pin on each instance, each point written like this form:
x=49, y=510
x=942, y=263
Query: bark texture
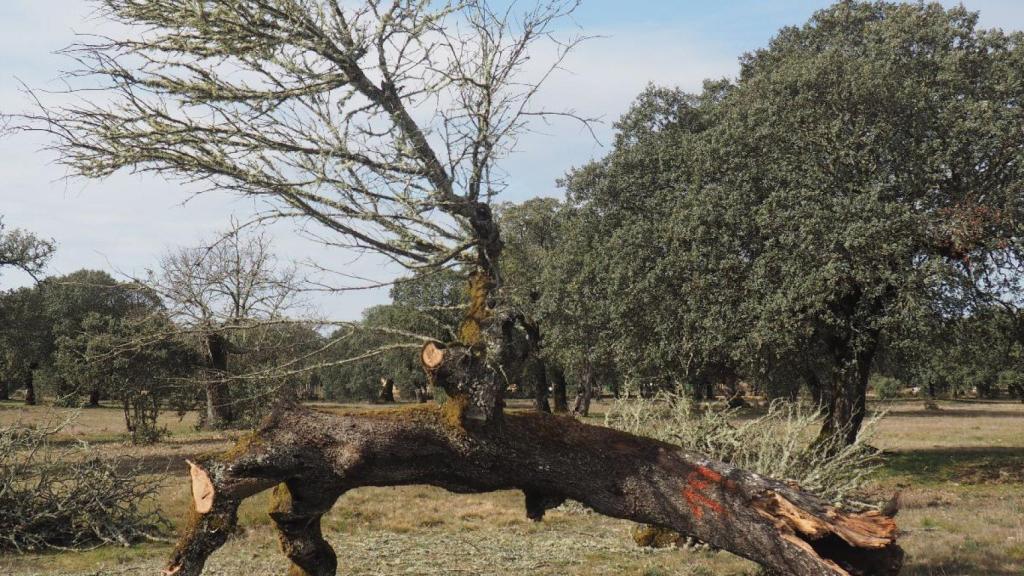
x=584, y=393
x=313, y=457
x=558, y=389
x=219, y=411
x=30, y=389
x=845, y=401
x=387, y=391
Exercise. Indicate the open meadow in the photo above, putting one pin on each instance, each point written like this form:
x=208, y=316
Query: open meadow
x=960, y=471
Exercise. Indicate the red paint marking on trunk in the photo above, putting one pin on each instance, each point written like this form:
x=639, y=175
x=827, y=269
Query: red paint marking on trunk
x=698, y=483
x=709, y=474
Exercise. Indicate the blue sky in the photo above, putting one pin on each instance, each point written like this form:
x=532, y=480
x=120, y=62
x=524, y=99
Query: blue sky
x=125, y=222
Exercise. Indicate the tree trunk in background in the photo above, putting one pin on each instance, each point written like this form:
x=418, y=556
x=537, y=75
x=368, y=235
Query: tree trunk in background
x=698, y=391
x=584, y=393
x=312, y=458
x=5, y=391
x=845, y=400
x=538, y=373
x=558, y=389
x=387, y=391
x=94, y=398
x=422, y=392
x=815, y=388
x=30, y=389
x=218, y=397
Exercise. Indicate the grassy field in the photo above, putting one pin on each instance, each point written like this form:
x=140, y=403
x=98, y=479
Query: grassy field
x=960, y=470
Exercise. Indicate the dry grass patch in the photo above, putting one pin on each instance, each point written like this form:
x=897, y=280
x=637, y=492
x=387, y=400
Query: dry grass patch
x=952, y=528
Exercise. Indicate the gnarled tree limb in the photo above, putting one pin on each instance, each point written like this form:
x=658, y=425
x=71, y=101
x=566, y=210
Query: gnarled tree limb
x=315, y=457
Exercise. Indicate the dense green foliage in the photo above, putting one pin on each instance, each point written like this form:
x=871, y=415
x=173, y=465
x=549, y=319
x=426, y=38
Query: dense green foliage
x=848, y=189
x=849, y=205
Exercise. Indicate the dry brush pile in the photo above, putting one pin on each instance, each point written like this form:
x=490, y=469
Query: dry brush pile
x=57, y=495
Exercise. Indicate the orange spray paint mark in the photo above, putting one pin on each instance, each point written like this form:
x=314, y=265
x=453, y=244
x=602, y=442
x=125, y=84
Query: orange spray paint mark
x=698, y=483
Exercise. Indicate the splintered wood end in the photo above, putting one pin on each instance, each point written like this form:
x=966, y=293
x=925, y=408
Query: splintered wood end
x=202, y=488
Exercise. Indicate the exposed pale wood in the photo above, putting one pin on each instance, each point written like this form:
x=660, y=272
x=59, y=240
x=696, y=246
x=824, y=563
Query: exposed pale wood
x=432, y=355
x=203, y=491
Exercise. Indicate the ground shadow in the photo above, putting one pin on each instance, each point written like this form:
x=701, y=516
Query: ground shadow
x=944, y=464
x=952, y=566
x=957, y=413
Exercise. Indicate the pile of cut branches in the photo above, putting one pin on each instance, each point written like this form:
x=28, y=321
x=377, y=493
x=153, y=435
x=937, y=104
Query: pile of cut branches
x=61, y=496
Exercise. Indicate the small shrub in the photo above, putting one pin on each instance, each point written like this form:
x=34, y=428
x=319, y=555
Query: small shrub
x=885, y=387
x=141, y=411
x=63, y=497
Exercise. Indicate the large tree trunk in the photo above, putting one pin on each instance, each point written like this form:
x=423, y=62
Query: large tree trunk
x=314, y=457
x=219, y=411
x=845, y=401
x=558, y=389
x=5, y=391
x=94, y=398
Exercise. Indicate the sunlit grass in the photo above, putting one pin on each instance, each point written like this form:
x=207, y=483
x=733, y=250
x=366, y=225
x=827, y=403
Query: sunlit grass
x=954, y=521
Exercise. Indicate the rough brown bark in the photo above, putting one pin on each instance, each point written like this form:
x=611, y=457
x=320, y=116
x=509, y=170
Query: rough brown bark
x=30, y=389
x=558, y=389
x=845, y=401
x=540, y=385
x=218, y=397
x=315, y=457
x=585, y=393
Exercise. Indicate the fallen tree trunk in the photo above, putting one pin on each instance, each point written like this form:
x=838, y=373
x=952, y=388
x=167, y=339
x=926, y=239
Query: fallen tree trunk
x=312, y=458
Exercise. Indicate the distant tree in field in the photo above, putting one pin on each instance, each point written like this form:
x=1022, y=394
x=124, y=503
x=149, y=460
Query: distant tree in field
x=29, y=253
x=533, y=233
x=863, y=170
x=975, y=354
x=26, y=339
x=92, y=296
x=383, y=125
x=24, y=250
x=138, y=361
x=218, y=292
x=273, y=360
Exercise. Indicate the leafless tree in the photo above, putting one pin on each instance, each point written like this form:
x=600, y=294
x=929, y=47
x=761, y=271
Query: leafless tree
x=384, y=123
x=232, y=284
